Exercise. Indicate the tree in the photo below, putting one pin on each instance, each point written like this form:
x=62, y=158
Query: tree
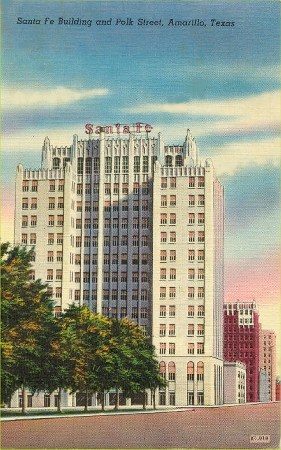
x=84, y=338
x=133, y=366
x=26, y=325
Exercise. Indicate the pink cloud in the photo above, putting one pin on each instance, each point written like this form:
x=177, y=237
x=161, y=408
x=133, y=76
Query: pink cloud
x=253, y=278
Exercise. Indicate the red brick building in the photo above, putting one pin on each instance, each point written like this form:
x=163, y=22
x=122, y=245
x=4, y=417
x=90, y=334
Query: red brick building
x=241, y=342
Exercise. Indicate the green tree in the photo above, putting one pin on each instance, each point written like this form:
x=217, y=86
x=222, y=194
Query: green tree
x=84, y=338
x=133, y=366
x=26, y=325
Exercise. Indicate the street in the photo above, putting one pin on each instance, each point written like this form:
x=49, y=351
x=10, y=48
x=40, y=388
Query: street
x=224, y=427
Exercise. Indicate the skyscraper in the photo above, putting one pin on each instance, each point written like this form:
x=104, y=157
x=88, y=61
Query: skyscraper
x=131, y=227
x=241, y=342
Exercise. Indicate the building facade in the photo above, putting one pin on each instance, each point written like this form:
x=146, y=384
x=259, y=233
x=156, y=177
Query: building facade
x=268, y=359
x=264, y=387
x=241, y=342
x=234, y=382
x=133, y=228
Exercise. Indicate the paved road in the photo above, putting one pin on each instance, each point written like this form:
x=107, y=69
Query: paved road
x=225, y=427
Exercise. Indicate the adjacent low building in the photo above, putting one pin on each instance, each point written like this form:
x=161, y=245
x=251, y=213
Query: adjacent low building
x=234, y=382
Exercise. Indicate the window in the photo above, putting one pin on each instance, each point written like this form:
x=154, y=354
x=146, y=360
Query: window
x=162, y=311
x=123, y=259
x=172, y=311
x=60, y=202
x=173, y=237
x=172, y=329
x=169, y=161
x=172, y=292
x=162, y=274
x=190, y=329
x=200, y=329
x=116, y=166
x=190, y=311
x=134, y=312
x=191, y=200
x=50, y=274
x=79, y=189
x=201, y=200
x=162, y=348
x=123, y=312
x=163, y=219
x=135, y=277
x=173, y=200
x=163, y=200
x=200, y=348
x=125, y=188
x=78, y=241
x=162, y=369
x=33, y=203
x=191, y=182
x=190, y=348
x=200, y=371
x=61, y=185
x=88, y=168
x=24, y=203
x=60, y=221
x=172, y=255
x=163, y=255
x=191, y=218
x=96, y=165
x=24, y=221
x=145, y=223
x=200, y=255
x=144, y=205
x=50, y=256
x=178, y=161
x=201, y=218
x=200, y=274
x=172, y=371
x=173, y=182
x=33, y=221
x=201, y=236
x=135, y=241
x=25, y=186
x=162, y=292
x=173, y=274
x=190, y=373
x=29, y=401
x=59, y=238
x=200, y=292
x=200, y=311
x=162, y=398
x=51, y=238
x=145, y=164
x=191, y=274
x=190, y=292
x=201, y=182
x=144, y=295
x=191, y=236
x=51, y=202
x=125, y=205
x=172, y=348
x=108, y=164
x=163, y=236
x=163, y=182
x=173, y=219
x=34, y=186
x=136, y=164
x=162, y=329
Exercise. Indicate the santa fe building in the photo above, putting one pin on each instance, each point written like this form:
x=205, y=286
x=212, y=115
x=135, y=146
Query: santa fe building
x=134, y=228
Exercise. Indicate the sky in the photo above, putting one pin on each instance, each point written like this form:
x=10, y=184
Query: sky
x=221, y=82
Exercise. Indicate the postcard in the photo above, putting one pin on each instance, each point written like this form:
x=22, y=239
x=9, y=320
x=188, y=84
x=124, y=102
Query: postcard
x=140, y=170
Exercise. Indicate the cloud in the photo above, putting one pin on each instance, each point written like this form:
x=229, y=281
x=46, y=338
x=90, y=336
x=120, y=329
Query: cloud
x=28, y=140
x=233, y=157
x=14, y=98
x=238, y=115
